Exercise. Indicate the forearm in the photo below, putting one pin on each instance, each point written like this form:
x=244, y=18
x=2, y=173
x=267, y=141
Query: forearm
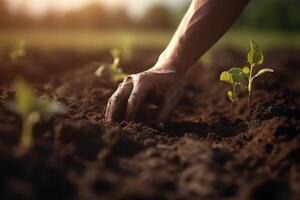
x=204, y=23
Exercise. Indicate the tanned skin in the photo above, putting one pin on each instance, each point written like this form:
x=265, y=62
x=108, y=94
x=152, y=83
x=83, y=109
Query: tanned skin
x=203, y=24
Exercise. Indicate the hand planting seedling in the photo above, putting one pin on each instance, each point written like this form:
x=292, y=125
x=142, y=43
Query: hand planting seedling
x=31, y=110
x=255, y=58
x=112, y=69
x=18, y=51
x=236, y=77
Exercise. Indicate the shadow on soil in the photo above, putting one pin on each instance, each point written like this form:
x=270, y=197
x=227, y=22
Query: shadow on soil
x=220, y=129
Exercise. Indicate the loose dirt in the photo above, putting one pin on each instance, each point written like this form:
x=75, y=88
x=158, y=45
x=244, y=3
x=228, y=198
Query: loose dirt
x=200, y=154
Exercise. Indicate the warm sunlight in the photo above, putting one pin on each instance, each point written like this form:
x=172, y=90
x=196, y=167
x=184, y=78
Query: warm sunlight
x=148, y=99
x=136, y=8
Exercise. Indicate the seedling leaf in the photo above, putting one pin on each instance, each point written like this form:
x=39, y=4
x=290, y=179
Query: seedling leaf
x=99, y=71
x=24, y=97
x=226, y=77
x=237, y=75
x=112, y=70
x=255, y=55
x=232, y=96
x=246, y=71
x=115, y=64
x=31, y=109
x=263, y=71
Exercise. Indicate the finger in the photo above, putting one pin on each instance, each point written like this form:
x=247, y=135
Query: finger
x=135, y=102
x=171, y=100
x=116, y=105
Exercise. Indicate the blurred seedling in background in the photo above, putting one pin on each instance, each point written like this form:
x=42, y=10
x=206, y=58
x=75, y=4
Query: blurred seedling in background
x=31, y=109
x=255, y=58
x=18, y=51
x=236, y=77
x=112, y=69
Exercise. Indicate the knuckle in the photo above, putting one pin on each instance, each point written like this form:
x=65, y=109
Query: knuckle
x=127, y=78
x=141, y=84
x=137, y=77
x=142, y=76
x=132, y=101
x=109, y=101
x=117, y=96
x=115, y=100
x=126, y=82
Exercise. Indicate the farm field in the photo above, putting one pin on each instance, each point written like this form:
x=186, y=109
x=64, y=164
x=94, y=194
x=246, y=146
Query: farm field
x=200, y=154
x=95, y=40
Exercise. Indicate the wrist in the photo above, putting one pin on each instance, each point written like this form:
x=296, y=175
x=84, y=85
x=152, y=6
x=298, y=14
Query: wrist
x=169, y=65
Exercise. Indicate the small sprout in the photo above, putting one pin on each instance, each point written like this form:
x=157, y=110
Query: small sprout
x=99, y=71
x=112, y=69
x=18, y=51
x=255, y=58
x=232, y=96
x=31, y=110
x=235, y=76
x=238, y=76
x=262, y=71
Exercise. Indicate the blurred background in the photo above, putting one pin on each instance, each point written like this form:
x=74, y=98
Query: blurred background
x=83, y=26
x=150, y=23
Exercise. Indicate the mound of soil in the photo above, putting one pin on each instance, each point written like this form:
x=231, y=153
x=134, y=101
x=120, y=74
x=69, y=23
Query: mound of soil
x=200, y=154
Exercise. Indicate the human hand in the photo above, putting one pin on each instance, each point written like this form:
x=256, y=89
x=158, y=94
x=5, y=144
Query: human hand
x=161, y=86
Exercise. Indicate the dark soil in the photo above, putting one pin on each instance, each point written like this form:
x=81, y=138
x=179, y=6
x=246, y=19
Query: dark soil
x=200, y=154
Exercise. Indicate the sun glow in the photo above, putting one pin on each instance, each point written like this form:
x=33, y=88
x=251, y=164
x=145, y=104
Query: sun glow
x=135, y=7
x=39, y=7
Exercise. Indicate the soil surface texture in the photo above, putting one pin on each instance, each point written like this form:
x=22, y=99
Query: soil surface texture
x=200, y=154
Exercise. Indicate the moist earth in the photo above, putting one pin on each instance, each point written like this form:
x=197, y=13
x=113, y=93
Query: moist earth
x=200, y=154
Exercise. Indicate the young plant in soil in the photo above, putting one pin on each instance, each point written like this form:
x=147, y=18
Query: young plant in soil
x=112, y=69
x=31, y=109
x=236, y=77
x=255, y=58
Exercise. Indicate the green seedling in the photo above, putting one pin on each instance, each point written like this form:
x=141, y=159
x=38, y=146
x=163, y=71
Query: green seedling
x=255, y=58
x=18, y=51
x=112, y=69
x=236, y=77
x=31, y=109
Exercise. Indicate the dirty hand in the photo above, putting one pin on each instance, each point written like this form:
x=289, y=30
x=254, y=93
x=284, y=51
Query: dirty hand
x=161, y=86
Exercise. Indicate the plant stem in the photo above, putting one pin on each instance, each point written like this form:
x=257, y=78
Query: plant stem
x=232, y=105
x=250, y=89
x=231, y=112
x=26, y=136
x=249, y=103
